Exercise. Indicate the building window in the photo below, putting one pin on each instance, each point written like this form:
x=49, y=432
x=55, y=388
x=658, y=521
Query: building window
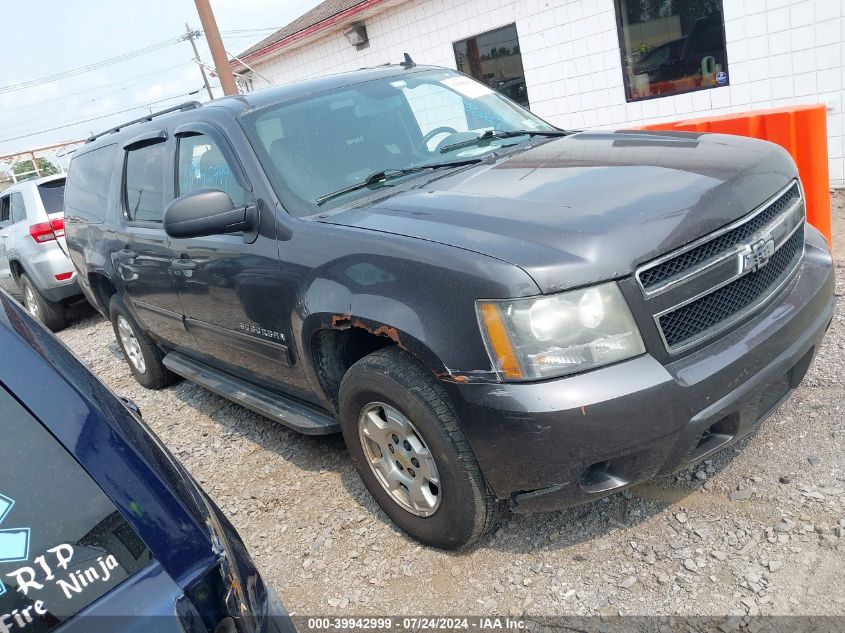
x=494, y=58
x=671, y=47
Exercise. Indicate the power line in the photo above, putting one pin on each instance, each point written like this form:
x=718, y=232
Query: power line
x=89, y=67
x=236, y=31
x=102, y=116
x=105, y=94
x=243, y=37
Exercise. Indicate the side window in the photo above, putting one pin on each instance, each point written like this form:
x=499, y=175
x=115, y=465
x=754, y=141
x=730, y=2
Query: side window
x=53, y=195
x=143, y=183
x=202, y=165
x=5, y=216
x=17, y=210
x=88, y=183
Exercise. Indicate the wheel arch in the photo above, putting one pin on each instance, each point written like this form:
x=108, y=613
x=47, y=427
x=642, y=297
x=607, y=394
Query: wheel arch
x=17, y=268
x=101, y=291
x=331, y=342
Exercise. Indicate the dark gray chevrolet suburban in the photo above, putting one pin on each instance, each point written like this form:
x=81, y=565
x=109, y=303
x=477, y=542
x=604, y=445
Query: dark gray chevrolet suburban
x=493, y=311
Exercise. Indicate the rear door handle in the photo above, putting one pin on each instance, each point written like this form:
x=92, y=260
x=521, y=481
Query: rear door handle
x=126, y=255
x=184, y=264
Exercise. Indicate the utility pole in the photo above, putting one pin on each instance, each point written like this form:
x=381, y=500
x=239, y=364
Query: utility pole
x=191, y=35
x=215, y=45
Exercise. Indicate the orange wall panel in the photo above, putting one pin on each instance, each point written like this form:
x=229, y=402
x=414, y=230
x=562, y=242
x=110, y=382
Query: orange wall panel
x=800, y=130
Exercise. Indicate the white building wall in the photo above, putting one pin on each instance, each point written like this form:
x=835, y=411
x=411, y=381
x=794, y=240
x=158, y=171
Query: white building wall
x=780, y=53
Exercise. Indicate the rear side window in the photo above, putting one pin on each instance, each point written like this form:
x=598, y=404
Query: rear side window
x=53, y=195
x=16, y=207
x=63, y=544
x=143, y=183
x=88, y=184
x=5, y=211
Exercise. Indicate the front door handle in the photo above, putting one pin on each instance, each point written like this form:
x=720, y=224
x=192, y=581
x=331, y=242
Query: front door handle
x=126, y=255
x=184, y=264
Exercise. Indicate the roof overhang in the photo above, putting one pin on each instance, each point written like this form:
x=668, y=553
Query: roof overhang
x=338, y=21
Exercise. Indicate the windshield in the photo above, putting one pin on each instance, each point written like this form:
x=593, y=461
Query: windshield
x=331, y=141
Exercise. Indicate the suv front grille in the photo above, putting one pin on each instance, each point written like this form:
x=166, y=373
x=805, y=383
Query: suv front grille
x=704, y=288
x=651, y=277
x=699, y=316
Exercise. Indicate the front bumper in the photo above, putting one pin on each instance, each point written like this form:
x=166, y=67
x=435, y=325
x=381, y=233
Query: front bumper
x=558, y=443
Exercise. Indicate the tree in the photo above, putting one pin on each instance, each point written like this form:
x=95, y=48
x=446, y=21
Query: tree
x=28, y=169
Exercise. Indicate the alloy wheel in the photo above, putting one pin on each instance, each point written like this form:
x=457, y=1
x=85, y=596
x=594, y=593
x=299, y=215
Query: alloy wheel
x=30, y=302
x=399, y=458
x=130, y=344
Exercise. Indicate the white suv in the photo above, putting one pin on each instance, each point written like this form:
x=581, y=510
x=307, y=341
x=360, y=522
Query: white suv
x=33, y=262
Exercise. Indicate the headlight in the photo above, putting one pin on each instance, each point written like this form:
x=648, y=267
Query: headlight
x=543, y=337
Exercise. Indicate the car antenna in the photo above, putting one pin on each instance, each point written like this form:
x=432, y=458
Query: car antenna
x=408, y=63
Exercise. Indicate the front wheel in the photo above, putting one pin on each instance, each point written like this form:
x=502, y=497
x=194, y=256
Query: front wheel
x=406, y=443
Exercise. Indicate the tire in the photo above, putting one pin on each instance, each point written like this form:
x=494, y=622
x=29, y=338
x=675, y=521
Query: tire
x=460, y=508
x=141, y=353
x=50, y=313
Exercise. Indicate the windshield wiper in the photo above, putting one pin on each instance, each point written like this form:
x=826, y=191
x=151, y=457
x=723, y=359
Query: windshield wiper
x=490, y=135
x=379, y=177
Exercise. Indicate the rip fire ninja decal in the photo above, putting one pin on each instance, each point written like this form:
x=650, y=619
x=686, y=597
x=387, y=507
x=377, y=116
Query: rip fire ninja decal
x=38, y=582
x=63, y=542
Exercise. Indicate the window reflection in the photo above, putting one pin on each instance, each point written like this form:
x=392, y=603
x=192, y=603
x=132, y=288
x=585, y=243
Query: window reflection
x=495, y=59
x=671, y=46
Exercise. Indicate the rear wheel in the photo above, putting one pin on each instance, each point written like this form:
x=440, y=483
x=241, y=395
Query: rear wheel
x=409, y=450
x=50, y=313
x=142, y=354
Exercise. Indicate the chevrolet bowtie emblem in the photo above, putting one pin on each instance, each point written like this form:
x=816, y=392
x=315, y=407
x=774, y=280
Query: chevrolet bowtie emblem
x=757, y=254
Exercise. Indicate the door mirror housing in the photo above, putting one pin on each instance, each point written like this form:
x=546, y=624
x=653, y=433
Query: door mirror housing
x=208, y=212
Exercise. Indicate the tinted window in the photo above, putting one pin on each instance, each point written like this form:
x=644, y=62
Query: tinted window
x=53, y=195
x=88, y=183
x=203, y=166
x=63, y=544
x=673, y=47
x=143, y=180
x=495, y=59
x=5, y=216
x=16, y=207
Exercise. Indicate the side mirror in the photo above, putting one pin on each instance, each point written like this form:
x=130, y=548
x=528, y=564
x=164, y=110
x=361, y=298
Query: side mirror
x=208, y=212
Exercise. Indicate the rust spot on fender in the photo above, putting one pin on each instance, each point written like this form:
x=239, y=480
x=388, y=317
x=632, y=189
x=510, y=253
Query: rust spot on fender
x=345, y=320
x=451, y=377
x=389, y=332
x=341, y=320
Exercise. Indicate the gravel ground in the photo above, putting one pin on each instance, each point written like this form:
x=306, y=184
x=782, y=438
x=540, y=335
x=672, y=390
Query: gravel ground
x=758, y=530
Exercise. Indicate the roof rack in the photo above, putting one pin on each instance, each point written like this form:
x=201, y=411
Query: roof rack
x=182, y=107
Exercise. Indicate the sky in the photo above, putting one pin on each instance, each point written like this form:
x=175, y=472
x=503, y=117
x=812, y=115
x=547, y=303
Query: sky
x=41, y=39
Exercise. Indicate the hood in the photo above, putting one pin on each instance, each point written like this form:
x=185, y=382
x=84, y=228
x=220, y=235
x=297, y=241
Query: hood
x=590, y=206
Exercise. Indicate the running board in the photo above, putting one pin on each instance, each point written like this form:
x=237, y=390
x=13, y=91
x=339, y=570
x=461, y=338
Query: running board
x=293, y=414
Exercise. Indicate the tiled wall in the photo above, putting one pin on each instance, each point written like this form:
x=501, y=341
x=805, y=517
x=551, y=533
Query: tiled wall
x=780, y=52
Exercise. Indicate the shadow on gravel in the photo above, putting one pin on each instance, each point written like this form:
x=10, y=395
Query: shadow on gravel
x=520, y=534
x=80, y=311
